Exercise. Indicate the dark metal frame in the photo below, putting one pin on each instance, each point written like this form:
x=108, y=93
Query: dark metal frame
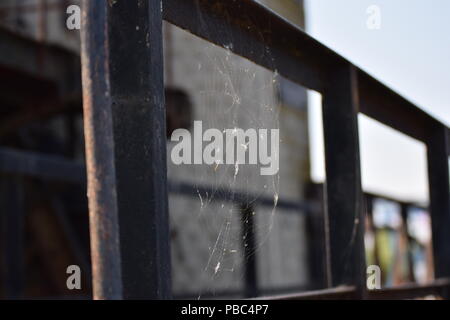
x=125, y=139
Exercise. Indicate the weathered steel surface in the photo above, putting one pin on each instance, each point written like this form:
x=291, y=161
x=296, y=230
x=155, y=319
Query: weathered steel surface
x=102, y=193
x=126, y=148
x=139, y=120
x=251, y=30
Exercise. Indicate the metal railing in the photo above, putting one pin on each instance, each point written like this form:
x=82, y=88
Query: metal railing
x=123, y=87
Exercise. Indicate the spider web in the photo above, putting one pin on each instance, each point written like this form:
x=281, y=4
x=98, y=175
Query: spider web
x=209, y=244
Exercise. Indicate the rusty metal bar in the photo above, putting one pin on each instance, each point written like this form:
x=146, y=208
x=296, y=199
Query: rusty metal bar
x=126, y=143
x=344, y=208
x=102, y=194
x=253, y=31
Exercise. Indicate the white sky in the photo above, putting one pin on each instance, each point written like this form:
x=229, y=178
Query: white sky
x=411, y=54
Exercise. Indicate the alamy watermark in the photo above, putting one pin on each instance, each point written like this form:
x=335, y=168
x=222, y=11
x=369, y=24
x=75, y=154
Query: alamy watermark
x=230, y=146
x=373, y=21
x=73, y=21
x=73, y=281
x=373, y=277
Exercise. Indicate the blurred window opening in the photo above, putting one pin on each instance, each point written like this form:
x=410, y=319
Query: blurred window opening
x=398, y=239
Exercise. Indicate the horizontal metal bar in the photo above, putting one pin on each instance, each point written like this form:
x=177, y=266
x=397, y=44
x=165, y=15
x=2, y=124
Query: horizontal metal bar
x=253, y=31
x=236, y=196
x=407, y=291
x=411, y=291
x=343, y=292
x=41, y=166
x=386, y=106
x=239, y=293
x=224, y=194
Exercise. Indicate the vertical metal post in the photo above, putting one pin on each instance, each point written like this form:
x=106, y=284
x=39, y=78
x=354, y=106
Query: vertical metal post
x=345, y=218
x=438, y=177
x=404, y=207
x=103, y=213
x=126, y=147
x=251, y=282
x=139, y=118
x=316, y=234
